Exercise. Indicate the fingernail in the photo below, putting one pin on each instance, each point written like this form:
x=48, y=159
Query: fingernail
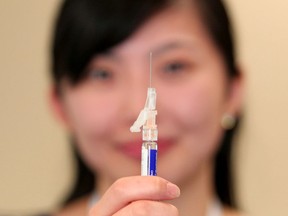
x=173, y=190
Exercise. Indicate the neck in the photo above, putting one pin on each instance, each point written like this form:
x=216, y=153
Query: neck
x=102, y=184
x=197, y=193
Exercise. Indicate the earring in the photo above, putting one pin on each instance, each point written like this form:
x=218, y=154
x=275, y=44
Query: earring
x=228, y=121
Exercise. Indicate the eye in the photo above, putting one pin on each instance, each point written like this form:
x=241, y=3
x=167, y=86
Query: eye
x=100, y=74
x=175, y=67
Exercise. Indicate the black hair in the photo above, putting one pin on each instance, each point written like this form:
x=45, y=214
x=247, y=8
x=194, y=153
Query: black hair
x=85, y=28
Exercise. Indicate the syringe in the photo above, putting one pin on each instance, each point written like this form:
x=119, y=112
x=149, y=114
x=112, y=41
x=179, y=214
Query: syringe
x=147, y=120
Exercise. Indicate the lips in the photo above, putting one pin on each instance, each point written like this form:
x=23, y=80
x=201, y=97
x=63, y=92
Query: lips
x=133, y=149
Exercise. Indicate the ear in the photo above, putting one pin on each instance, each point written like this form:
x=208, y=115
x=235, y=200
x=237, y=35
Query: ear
x=57, y=106
x=235, y=94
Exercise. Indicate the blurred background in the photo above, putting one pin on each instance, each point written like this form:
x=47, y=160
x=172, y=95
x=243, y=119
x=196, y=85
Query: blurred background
x=35, y=164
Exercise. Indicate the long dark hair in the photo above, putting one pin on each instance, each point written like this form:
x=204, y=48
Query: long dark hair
x=85, y=28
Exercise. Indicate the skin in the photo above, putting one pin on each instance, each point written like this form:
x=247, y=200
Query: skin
x=193, y=93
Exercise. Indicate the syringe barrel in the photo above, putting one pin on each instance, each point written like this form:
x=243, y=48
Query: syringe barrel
x=149, y=158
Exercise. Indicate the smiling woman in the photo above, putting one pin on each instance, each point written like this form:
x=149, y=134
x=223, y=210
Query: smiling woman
x=101, y=73
x=102, y=63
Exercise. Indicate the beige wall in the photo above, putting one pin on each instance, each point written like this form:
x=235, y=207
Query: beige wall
x=34, y=164
x=35, y=168
x=262, y=152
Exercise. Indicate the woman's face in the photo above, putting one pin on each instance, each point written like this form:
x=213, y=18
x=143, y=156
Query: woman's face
x=190, y=78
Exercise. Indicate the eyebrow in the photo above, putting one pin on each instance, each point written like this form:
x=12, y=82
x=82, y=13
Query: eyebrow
x=172, y=46
x=165, y=47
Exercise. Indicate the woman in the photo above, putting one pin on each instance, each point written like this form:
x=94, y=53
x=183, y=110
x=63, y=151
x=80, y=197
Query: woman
x=101, y=74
